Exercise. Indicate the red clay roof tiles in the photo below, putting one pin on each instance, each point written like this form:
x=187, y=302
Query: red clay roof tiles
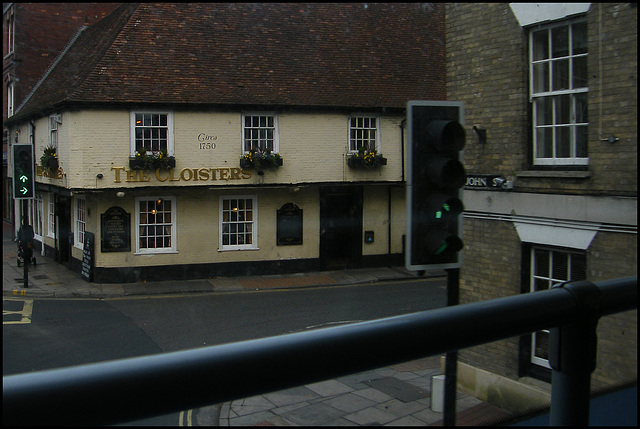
x=285, y=54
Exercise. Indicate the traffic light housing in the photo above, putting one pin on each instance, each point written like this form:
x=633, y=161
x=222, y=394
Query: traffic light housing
x=23, y=174
x=435, y=176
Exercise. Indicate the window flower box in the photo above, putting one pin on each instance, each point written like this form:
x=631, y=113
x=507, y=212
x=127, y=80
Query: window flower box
x=260, y=160
x=152, y=160
x=365, y=159
x=49, y=159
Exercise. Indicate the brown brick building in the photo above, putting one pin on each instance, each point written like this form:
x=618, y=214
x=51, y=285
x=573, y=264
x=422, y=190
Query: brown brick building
x=555, y=89
x=34, y=35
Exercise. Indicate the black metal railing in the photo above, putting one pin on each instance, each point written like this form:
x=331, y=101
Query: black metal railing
x=130, y=389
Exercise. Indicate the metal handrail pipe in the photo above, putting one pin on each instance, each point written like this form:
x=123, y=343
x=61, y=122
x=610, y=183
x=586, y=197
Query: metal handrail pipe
x=131, y=389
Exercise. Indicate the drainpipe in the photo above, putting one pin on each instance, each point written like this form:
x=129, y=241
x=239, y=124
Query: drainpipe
x=389, y=220
x=402, y=123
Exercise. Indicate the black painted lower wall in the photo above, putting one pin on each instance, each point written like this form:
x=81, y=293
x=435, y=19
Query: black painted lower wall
x=227, y=269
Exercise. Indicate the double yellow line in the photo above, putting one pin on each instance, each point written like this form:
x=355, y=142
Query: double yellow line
x=185, y=418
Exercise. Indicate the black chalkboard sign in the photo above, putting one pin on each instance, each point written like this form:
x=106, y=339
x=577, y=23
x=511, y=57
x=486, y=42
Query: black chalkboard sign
x=289, y=229
x=116, y=231
x=87, y=256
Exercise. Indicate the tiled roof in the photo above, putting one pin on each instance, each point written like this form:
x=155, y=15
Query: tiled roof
x=285, y=54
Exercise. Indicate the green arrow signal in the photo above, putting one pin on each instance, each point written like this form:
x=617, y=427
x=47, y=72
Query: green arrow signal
x=24, y=178
x=24, y=191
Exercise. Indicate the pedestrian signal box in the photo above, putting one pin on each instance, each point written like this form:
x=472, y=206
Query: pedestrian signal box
x=23, y=174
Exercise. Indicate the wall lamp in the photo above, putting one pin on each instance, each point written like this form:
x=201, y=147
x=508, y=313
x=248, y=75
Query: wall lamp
x=611, y=139
x=482, y=134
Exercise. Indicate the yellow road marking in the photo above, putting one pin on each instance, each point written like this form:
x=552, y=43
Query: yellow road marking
x=25, y=313
x=181, y=419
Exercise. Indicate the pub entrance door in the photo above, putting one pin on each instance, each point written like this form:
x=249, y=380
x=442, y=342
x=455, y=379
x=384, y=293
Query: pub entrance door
x=63, y=208
x=340, y=226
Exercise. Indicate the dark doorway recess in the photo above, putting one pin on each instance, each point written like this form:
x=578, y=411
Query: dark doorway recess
x=65, y=241
x=340, y=226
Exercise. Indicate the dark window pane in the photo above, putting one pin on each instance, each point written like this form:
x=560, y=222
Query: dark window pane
x=560, y=266
x=579, y=35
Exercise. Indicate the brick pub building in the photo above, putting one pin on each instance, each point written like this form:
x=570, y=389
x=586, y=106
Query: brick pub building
x=197, y=140
x=551, y=192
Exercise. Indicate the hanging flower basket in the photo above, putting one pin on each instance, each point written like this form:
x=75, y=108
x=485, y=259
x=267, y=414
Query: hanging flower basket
x=260, y=160
x=49, y=159
x=365, y=159
x=152, y=160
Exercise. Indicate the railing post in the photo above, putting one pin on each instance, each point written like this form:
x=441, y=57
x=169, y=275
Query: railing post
x=451, y=358
x=572, y=357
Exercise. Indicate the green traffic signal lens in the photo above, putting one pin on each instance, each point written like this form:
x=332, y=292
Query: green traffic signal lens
x=441, y=249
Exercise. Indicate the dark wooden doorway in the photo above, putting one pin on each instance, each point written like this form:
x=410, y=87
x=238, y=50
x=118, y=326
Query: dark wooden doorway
x=65, y=236
x=340, y=226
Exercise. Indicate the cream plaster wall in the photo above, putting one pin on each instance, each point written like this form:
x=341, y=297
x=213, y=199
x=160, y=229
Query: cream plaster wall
x=198, y=219
x=313, y=147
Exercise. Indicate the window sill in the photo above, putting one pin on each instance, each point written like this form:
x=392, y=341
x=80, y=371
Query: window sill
x=235, y=249
x=543, y=174
x=151, y=253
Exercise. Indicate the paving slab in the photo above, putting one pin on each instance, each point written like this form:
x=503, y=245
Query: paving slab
x=313, y=415
x=252, y=405
x=329, y=388
x=373, y=394
x=402, y=390
x=399, y=408
x=350, y=403
x=291, y=396
x=371, y=417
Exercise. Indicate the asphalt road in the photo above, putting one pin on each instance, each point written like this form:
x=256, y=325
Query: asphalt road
x=53, y=333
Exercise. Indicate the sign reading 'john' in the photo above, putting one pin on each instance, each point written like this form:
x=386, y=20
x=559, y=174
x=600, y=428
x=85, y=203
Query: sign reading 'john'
x=484, y=181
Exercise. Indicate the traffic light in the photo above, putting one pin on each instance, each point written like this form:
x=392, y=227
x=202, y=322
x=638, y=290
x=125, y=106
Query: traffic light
x=435, y=175
x=23, y=177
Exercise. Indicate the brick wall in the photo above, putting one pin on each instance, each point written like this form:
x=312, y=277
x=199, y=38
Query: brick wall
x=43, y=30
x=487, y=70
x=613, y=255
x=486, y=49
x=492, y=251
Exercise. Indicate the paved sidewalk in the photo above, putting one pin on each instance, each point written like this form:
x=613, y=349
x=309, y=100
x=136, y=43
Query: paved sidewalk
x=48, y=279
x=399, y=395
x=396, y=395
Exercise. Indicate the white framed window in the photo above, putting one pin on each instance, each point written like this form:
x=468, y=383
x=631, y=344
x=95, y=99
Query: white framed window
x=11, y=31
x=51, y=216
x=38, y=217
x=54, y=122
x=559, y=90
x=80, y=225
x=259, y=132
x=363, y=133
x=152, y=131
x=238, y=222
x=550, y=266
x=156, y=224
x=10, y=98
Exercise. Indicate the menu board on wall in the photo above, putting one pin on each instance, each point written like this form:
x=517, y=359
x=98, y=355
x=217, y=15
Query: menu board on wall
x=116, y=230
x=87, y=256
x=289, y=225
